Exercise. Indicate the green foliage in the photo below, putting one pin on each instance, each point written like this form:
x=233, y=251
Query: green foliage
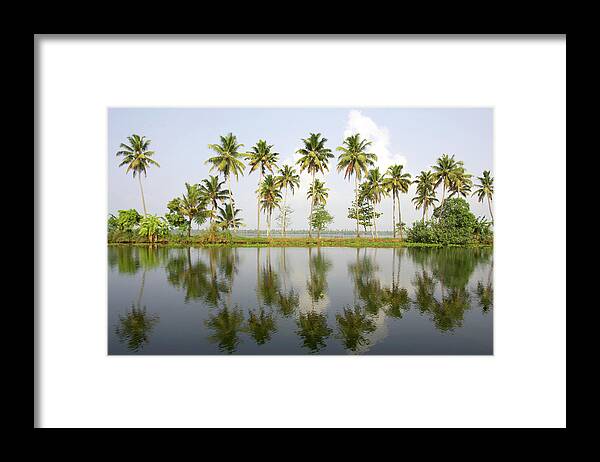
x=320, y=219
x=122, y=226
x=228, y=217
x=365, y=211
x=153, y=228
x=453, y=223
x=174, y=217
x=228, y=159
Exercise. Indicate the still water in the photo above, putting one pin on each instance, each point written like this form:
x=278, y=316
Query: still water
x=266, y=301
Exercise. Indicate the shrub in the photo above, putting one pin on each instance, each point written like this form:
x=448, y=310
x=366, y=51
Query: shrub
x=452, y=223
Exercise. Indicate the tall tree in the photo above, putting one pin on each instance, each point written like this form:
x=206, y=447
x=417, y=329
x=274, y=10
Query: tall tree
x=262, y=158
x=485, y=189
x=211, y=189
x=355, y=161
x=314, y=159
x=228, y=160
x=425, y=197
x=287, y=178
x=376, y=190
x=444, y=170
x=138, y=158
x=396, y=182
x=270, y=196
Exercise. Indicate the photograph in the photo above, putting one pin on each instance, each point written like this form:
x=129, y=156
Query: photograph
x=300, y=231
x=248, y=229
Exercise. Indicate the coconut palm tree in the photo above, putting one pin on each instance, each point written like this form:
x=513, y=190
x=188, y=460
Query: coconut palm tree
x=444, y=169
x=485, y=189
x=354, y=160
x=425, y=197
x=375, y=190
x=228, y=160
x=287, y=178
x=192, y=206
x=317, y=194
x=138, y=158
x=228, y=217
x=212, y=191
x=270, y=196
x=314, y=159
x=461, y=183
x=396, y=182
x=262, y=158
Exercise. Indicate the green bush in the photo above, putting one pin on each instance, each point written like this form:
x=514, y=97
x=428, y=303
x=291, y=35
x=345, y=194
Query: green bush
x=452, y=224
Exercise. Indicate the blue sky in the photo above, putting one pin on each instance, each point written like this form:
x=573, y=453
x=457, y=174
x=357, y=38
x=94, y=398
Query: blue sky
x=414, y=137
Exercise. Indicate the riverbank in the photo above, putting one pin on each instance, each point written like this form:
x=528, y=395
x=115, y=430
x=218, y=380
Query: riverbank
x=241, y=241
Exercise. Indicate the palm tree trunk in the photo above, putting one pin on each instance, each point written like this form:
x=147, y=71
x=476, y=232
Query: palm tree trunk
x=490, y=207
x=258, y=204
x=230, y=193
x=190, y=228
x=141, y=292
x=399, y=217
x=394, y=213
x=443, y=199
x=284, y=212
x=269, y=225
x=356, y=203
x=142, y=190
x=311, y=210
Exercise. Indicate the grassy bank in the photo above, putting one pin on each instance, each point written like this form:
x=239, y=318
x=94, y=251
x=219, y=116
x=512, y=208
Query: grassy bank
x=242, y=241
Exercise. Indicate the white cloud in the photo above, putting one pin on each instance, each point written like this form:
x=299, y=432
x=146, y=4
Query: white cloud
x=379, y=136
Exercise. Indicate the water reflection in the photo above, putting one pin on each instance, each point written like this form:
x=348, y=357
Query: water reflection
x=261, y=325
x=353, y=327
x=225, y=327
x=135, y=326
x=315, y=300
x=318, y=266
x=313, y=330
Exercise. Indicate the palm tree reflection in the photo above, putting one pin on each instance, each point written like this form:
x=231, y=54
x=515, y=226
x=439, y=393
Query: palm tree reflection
x=226, y=326
x=261, y=325
x=134, y=328
x=353, y=326
x=313, y=330
x=199, y=280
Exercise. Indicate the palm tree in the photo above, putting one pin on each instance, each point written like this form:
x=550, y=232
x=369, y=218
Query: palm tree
x=269, y=195
x=212, y=191
x=192, y=206
x=317, y=194
x=485, y=189
x=287, y=178
x=228, y=217
x=138, y=158
x=355, y=161
x=262, y=158
x=425, y=191
x=315, y=157
x=228, y=160
x=444, y=169
x=375, y=190
x=461, y=183
x=396, y=182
